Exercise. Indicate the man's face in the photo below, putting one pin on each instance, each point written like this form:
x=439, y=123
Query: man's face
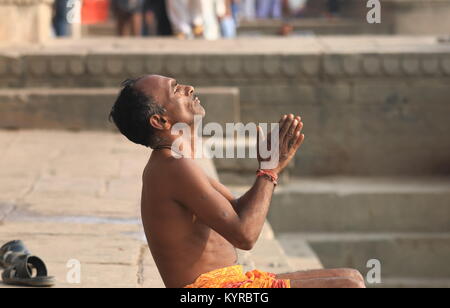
x=179, y=100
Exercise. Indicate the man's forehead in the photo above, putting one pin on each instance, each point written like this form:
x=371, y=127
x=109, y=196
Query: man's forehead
x=152, y=83
x=155, y=80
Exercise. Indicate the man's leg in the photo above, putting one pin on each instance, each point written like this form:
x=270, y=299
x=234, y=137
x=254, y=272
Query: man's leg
x=323, y=273
x=327, y=283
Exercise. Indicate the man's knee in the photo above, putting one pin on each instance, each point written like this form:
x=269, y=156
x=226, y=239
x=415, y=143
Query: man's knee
x=353, y=283
x=351, y=273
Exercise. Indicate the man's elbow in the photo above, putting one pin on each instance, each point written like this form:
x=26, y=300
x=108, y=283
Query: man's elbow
x=245, y=243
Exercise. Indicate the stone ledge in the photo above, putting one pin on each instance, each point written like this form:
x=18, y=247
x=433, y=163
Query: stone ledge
x=77, y=108
x=24, y=2
x=325, y=57
x=250, y=67
x=362, y=204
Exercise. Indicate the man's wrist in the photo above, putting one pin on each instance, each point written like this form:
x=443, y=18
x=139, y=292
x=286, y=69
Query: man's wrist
x=274, y=171
x=268, y=174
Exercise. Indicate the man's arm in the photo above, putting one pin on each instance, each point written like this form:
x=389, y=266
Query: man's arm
x=193, y=191
x=213, y=204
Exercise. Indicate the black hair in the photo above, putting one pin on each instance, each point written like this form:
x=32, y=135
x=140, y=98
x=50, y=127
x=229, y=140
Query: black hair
x=132, y=111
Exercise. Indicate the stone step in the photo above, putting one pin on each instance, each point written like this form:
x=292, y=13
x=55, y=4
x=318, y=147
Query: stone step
x=241, y=171
x=415, y=283
x=268, y=254
x=349, y=204
x=313, y=26
x=412, y=256
x=88, y=109
x=343, y=87
x=316, y=26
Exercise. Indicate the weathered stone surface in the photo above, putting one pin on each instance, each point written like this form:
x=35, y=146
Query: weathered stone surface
x=88, y=109
x=148, y=275
x=417, y=255
x=78, y=205
x=300, y=255
x=362, y=205
x=88, y=214
x=342, y=87
x=108, y=258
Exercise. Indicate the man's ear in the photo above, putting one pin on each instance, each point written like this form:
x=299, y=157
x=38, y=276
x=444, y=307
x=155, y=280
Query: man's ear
x=158, y=122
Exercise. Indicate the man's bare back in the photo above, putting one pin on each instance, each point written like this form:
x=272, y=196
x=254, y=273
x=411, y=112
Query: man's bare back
x=182, y=246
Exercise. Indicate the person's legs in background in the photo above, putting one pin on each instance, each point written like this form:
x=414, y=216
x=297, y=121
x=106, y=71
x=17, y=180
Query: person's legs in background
x=212, y=12
x=334, y=7
x=200, y=13
x=227, y=20
x=235, y=7
x=269, y=9
x=228, y=27
x=296, y=8
x=179, y=15
x=136, y=19
x=60, y=22
x=263, y=8
x=128, y=17
x=276, y=9
x=163, y=26
x=150, y=22
x=247, y=9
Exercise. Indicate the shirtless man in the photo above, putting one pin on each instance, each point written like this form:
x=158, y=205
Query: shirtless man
x=192, y=222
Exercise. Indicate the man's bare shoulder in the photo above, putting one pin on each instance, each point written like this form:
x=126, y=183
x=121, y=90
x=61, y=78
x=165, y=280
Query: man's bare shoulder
x=186, y=170
x=175, y=170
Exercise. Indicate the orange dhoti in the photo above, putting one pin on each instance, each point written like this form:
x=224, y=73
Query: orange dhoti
x=234, y=277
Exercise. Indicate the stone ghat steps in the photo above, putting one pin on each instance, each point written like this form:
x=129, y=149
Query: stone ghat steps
x=269, y=255
x=89, y=108
x=344, y=87
x=317, y=26
x=362, y=204
x=314, y=26
x=248, y=61
x=407, y=259
x=415, y=283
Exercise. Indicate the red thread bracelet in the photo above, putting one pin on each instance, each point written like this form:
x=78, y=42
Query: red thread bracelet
x=272, y=176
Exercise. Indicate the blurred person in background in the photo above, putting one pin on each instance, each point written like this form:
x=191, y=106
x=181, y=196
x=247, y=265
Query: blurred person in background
x=60, y=22
x=334, y=7
x=156, y=21
x=295, y=8
x=247, y=10
x=218, y=19
x=186, y=18
x=291, y=9
x=228, y=19
x=235, y=8
x=128, y=16
x=269, y=9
